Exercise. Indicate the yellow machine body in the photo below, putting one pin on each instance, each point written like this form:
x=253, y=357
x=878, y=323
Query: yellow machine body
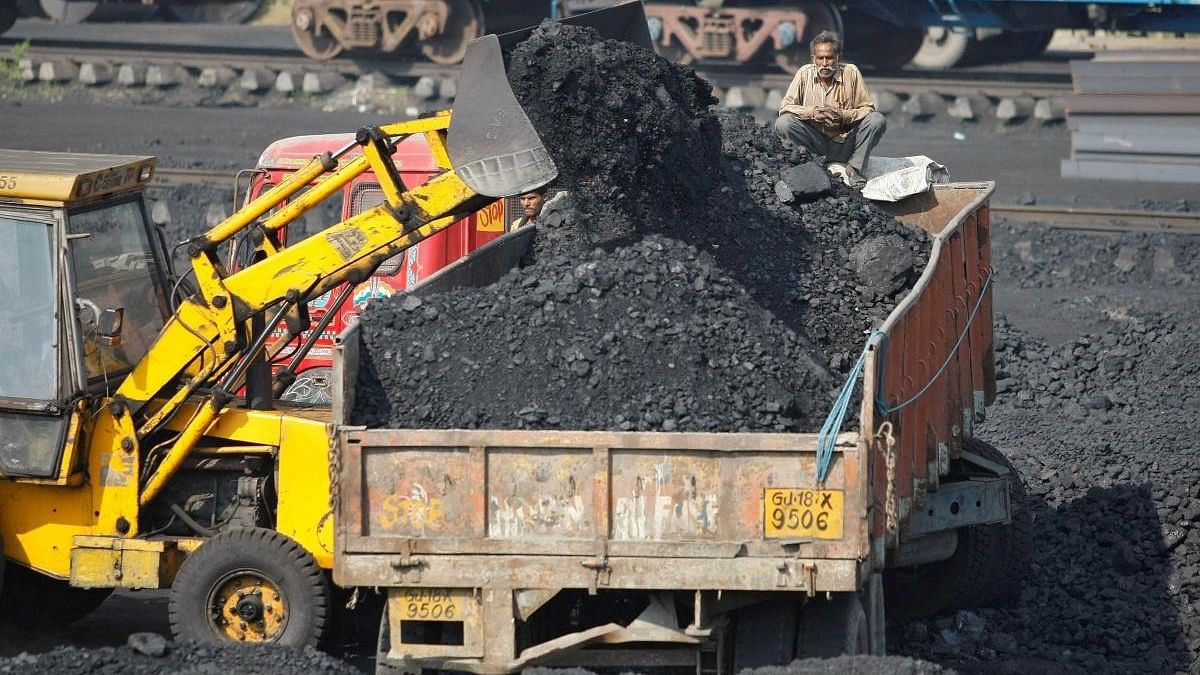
x=126, y=426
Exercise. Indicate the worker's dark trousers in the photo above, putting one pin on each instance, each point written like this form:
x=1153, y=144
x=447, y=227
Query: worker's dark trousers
x=858, y=146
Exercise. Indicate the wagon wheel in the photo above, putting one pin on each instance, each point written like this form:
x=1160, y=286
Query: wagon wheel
x=235, y=11
x=463, y=24
x=821, y=16
x=252, y=585
x=673, y=51
x=312, y=38
x=68, y=11
x=944, y=48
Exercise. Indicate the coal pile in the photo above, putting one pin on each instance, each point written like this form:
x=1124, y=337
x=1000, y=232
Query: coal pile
x=1102, y=429
x=652, y=336
x=682, y=286
x=150, y=654
x=642, y=151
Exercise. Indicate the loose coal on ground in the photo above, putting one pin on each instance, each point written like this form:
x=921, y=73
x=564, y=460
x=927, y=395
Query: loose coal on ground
x=1036, y=256
x=801, y=276
x=151, y=654
x=1102, y=429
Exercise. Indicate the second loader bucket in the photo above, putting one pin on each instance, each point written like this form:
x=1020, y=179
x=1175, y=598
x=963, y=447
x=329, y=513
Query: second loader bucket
x=493, y=145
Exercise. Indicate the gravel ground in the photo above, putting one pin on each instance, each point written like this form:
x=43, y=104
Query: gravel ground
x=151, y=654
x=1101, y=427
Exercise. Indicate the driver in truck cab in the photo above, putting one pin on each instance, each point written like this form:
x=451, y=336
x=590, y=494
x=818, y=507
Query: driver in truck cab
x=531, y=207
x=828, y=110
x=532, y=203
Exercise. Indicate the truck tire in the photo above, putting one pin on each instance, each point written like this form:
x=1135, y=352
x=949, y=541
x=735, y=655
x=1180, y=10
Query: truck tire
x=251, y=585
x=35, y=601
x=836, y=627
x=764, y=634
x=987, y=566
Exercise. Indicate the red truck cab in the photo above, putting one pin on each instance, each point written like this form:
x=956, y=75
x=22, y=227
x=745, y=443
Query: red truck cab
x=415, y=164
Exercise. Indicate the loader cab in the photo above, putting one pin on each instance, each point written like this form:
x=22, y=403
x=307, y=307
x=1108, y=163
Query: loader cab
x=415, y=164
x=82, y=295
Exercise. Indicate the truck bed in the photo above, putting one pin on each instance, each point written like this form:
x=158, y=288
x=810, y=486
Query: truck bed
x=489, y=525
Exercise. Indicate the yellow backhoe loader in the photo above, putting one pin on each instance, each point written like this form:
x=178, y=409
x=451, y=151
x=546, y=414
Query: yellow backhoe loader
x=128, y=459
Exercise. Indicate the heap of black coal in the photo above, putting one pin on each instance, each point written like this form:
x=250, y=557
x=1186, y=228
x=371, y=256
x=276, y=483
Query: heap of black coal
x=652, y=336
x=641, y=153
x=641, y=149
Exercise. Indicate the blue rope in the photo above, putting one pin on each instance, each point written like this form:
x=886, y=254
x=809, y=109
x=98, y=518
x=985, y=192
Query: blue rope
x=833, y=422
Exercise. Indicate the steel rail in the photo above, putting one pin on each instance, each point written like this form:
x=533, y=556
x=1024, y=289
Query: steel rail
x=1064, y=217
x=233, y=57
x=1102, y=220
x=958, y=83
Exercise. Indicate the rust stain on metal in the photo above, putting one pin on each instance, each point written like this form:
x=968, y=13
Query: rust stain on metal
x=540, y=494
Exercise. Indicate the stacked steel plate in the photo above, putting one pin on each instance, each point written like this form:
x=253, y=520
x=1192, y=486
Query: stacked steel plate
x=1135, y=116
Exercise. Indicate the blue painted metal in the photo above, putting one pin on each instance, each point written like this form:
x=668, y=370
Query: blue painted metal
x=1169, y=15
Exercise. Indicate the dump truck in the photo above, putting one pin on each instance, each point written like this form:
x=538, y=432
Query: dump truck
x=505, y=549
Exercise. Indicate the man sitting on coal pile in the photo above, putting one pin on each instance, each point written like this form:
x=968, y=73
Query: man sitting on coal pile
x=828, y=110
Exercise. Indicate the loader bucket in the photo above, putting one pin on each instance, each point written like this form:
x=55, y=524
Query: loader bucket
x=493, y=145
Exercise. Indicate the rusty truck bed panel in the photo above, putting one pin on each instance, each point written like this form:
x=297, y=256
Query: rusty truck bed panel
x=581, y=494
x=931, y=363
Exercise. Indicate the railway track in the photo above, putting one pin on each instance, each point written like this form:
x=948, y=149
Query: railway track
x=1063, y=217
x=264, y=48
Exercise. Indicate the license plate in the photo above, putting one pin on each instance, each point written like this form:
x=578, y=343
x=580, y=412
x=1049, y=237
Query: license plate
x=432, y=604
x=802, y=513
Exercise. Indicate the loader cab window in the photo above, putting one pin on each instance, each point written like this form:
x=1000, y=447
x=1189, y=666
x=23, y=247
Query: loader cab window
x=30, y=439
x=27, y=322
x=115, y=268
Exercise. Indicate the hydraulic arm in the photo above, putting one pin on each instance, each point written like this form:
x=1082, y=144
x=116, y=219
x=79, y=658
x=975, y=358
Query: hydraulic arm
x=215, y=336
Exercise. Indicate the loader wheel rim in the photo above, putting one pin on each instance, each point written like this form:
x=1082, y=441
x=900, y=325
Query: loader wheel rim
x=247, y=606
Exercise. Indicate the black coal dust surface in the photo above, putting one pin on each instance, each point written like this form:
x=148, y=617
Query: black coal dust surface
x=150, y=654
x=648, y=336
x=1102, y=427
x=784, y=293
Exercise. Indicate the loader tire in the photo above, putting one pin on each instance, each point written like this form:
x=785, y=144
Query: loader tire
x=35, y=601
x=987, y=567
x=252, y=585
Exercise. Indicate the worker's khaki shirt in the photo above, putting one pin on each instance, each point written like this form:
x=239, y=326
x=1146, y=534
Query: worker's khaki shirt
x=848, y=93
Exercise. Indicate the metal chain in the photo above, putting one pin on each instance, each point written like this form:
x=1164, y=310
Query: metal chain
x=888, y=446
